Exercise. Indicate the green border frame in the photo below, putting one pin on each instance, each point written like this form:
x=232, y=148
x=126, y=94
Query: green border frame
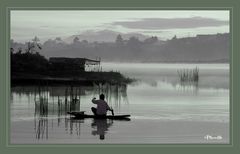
x=8, y=11
x=232, y=5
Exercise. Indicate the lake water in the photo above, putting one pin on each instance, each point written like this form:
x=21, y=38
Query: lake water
x=163, y=109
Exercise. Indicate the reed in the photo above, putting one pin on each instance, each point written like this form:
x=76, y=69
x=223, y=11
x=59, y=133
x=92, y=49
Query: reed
x=41, y=101
x=189, y=75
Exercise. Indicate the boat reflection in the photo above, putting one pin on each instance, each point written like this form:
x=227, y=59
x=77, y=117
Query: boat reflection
x=101, y=127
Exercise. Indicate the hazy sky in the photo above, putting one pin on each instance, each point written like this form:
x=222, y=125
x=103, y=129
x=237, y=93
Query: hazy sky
x=164, y=24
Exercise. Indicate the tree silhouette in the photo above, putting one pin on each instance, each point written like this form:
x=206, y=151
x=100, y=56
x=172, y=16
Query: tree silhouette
x=151, y=40
x=33, y=46
x=134, y=43
x=119, y=40
x=76, y=40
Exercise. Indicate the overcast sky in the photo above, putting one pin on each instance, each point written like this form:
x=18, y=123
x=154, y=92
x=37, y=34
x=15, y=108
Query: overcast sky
x=164, y=24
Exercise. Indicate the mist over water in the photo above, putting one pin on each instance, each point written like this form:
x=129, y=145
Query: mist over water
x=156, y=100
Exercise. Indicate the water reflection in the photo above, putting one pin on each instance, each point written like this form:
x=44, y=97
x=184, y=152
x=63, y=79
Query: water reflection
x=74, y=124
x=192, y=87
x=41, y=128
x=57, y=100
x=100, y=127
x=39, y=112
x=53, y=103
x=185, y=87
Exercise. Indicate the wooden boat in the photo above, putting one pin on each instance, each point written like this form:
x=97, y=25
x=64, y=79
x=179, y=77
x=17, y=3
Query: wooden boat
x=82, y=115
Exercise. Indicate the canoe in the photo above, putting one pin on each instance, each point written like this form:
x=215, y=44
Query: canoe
x=82, y=115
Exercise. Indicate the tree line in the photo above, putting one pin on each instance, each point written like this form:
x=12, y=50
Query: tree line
x=202, y=48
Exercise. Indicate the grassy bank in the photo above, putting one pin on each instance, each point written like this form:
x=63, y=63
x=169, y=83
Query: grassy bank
x=32, y=68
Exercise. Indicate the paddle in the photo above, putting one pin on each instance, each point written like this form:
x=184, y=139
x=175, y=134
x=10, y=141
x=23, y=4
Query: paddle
x=112, y=111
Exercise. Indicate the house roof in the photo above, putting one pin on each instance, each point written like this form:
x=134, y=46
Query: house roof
x=80, y=61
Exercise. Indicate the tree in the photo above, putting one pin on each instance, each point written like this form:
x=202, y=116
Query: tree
x=11, y=50
x=119, y=40
x=33, y=46
x=133, y=42
x=30, y=47
x=76, y=40
x=58, y=39
x=36, y=39
x=151, y=40
x=175, y=37
x=19, y=51
x=84, y=42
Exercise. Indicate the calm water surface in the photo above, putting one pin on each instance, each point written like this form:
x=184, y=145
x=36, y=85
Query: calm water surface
x=163, y=110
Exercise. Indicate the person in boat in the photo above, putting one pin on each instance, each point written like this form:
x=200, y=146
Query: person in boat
x=102, y=106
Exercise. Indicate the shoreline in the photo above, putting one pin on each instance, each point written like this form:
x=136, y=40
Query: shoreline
x=74, y=78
